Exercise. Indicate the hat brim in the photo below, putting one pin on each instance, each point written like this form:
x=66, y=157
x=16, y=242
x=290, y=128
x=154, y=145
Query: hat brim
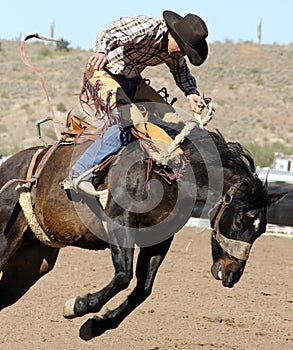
x=196, y=56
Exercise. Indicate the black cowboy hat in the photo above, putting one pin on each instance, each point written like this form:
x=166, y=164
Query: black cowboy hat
x=190, y=33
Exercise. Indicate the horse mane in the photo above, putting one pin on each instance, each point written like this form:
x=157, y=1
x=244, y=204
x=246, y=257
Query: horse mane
x=233, y=155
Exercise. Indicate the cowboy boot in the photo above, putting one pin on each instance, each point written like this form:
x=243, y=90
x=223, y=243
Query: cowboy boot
x=74, y=183
x=86, y=187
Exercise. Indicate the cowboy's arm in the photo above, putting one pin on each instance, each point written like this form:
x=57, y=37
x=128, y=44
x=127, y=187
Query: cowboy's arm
x=185, y=81
x=119, y=33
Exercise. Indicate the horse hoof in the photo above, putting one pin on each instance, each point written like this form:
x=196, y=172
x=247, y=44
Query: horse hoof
x=86, y=330
x=68, y=310
x=92, y=328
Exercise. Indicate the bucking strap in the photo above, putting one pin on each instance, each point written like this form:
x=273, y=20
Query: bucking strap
x=25, y=201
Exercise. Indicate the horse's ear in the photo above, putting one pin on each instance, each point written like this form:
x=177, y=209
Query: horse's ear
x=274, y=198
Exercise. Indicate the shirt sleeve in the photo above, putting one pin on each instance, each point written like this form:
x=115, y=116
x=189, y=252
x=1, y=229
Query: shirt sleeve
x=103, y=43
x=182, y=76
x=124, y=30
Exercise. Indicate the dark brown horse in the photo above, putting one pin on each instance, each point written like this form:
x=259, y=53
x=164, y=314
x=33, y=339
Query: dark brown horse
x=145, y=213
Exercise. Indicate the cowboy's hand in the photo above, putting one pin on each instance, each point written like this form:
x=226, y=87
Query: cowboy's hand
x=196, y=104
x=97, y=60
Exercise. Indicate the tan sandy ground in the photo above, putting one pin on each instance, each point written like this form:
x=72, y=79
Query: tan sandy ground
x=188, y=309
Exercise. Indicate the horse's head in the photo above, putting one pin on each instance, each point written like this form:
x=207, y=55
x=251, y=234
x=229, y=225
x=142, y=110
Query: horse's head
x=237, y=220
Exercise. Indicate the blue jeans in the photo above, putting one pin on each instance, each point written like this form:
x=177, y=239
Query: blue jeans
x=110, y=142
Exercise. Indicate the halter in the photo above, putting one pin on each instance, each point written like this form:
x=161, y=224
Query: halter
x=237, y=249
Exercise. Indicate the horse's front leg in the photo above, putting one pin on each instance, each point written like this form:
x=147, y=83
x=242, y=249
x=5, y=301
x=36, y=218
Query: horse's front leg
x=122, y=249
x=148, y=263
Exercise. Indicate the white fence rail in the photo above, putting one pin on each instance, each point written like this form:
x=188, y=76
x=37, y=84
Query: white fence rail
x=282, y=231
x=272, y=230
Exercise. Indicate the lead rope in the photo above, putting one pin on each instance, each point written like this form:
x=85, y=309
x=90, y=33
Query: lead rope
x=39, y=73
x=189, y=126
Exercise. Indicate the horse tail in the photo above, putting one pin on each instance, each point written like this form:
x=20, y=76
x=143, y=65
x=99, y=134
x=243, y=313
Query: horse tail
x=12, y=223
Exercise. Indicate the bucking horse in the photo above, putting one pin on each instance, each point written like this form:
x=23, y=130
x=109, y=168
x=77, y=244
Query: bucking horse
x=146, y=205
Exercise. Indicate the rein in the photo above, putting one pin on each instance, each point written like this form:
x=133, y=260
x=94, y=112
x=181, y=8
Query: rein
x=42, y=80
x=237, y=249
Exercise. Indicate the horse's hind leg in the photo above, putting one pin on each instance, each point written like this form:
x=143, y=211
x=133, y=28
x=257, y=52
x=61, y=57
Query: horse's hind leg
x=148, y=263
x=29, y=263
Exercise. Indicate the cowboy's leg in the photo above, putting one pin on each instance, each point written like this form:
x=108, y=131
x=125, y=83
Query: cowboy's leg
x=113, y=138
x=122, y=92
x=108, y=143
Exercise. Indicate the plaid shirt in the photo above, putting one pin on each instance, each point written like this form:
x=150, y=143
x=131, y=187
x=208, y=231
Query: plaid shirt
x=134, y=43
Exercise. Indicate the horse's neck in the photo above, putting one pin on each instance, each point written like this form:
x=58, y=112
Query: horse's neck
x=213, y=184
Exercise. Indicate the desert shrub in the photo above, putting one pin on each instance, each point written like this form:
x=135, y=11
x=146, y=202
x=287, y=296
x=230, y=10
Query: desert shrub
x=8, y=150
x=45, y=52
x=232, y=86
x=263, y=155
x=61, y=107
x=62, y=45
x=254, y=70
x=259, y=81
x=4, y=94
x=27, y=107
x=3, y=128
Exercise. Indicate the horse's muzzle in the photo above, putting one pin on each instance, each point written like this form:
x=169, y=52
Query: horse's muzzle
x=228, y=273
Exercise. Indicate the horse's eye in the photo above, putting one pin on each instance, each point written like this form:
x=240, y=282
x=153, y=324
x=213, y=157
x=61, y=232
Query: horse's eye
x=237, y=224
x=256, y=224
x=251, y=214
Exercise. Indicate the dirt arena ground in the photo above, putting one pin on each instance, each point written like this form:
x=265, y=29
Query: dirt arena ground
x=187, y=310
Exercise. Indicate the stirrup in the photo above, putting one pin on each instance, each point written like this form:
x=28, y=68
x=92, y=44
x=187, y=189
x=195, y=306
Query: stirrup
x=73, y=179
x=80, y=183
x=67, y=184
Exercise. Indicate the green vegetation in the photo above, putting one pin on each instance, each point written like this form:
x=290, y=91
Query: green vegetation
x=45, y=52
x=27, y=107
x=4, y=94
x=253, y=101
x=232, y=86
x=8, y=150
x=61, y=107
x=254, y=70
x=264, y=154
x=259, y=81
x=62, y=45
x=3, y=128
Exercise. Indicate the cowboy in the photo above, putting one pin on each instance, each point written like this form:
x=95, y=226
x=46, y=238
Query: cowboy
x=121, y=53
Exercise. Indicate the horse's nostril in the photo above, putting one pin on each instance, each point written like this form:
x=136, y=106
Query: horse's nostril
x=228, y=279
x=230, y=276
